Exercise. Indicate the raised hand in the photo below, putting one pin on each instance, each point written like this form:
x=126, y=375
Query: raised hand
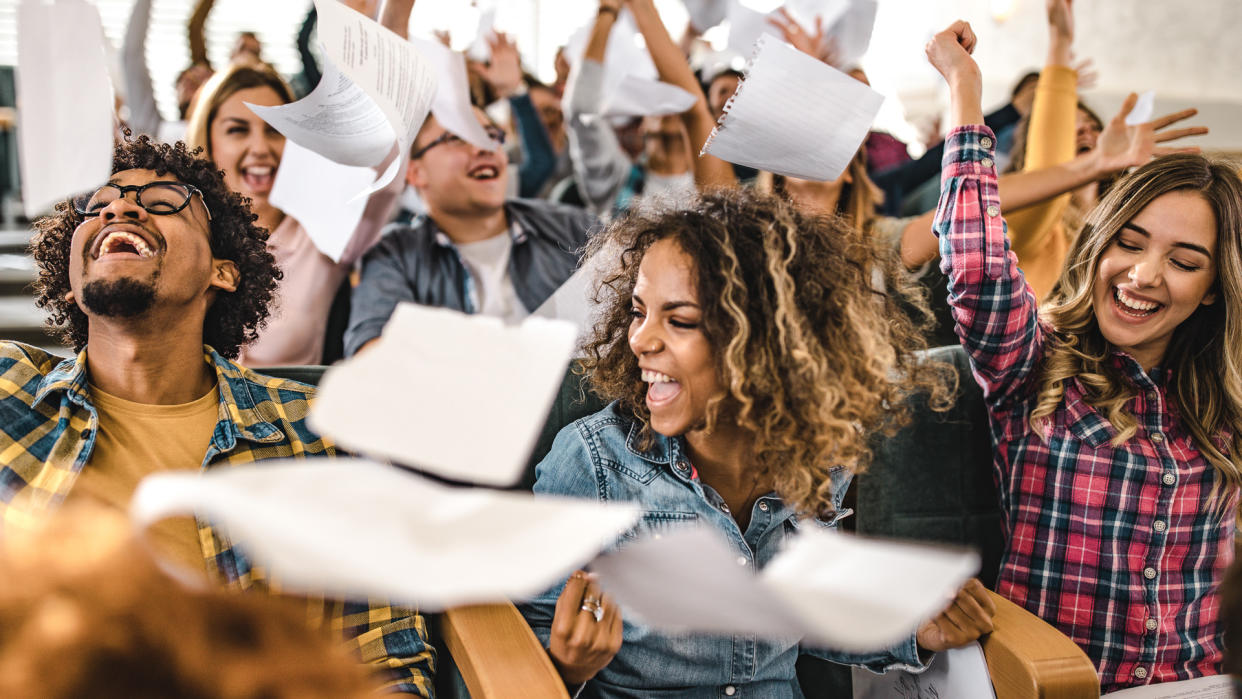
x=1123, y=146
x=966, y=619
x=504, y=71
x=1061, y=20
x=1088, y=76
x=812, y=44
x=586, y=629
x=949, y=53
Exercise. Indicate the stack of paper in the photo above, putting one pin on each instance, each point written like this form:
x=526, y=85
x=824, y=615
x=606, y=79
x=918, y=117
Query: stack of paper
x=828, y=588
x=350, y=528
x=462, y=396
x=64, y=102
x=794, y=115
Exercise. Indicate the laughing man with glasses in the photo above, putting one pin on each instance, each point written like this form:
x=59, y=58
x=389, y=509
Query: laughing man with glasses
x=474, y=250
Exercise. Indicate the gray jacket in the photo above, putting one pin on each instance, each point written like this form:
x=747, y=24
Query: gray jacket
x=417, y=262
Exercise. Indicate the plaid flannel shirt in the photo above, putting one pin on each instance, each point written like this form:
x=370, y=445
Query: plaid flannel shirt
x=47, y=432
x=1119, y=547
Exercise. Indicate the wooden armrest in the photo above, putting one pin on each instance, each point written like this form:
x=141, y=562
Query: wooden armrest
x=1027, y=657
x=498, y=655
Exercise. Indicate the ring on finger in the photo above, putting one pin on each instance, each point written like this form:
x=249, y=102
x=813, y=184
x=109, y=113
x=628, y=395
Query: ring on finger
x=595, y=610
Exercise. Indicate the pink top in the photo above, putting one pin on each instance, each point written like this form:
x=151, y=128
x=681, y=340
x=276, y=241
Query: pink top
x=295, y=329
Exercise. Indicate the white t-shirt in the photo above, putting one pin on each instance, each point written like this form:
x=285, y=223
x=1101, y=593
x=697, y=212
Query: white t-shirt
x=488, y=263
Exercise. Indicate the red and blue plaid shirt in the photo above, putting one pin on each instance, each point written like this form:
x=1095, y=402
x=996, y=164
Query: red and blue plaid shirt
x=1119, y=547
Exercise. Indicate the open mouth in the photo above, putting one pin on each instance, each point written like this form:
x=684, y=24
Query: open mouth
x=121, y=243
x=1132, y=306
x=259, y=178
x=484, y=172
x=661, y=388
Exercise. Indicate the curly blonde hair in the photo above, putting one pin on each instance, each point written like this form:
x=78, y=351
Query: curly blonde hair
x=1203, y=354
x=815, y=359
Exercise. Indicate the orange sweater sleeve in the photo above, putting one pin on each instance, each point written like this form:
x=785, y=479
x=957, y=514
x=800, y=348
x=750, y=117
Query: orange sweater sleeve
x=1035, y=231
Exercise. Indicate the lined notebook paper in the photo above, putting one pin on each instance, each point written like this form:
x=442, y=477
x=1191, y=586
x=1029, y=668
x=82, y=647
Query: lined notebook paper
x=794, y=115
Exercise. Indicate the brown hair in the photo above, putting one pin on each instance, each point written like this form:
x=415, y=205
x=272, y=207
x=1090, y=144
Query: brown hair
x=1203, y=354
x=223, y=85
x=85, y=611
x=815, y=360
x=858, y=201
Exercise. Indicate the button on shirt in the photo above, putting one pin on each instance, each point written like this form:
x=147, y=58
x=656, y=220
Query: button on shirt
x=1099, y=537
x=600, y=457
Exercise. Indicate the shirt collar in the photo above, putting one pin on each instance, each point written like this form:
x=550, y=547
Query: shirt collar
x=516, y=230
x=246, y=419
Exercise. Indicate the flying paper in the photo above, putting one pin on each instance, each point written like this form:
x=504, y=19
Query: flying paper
x=451, y=106
x=850, y=33
x=831, y=589
x=960, y=673
x=705, y=14
x=1144, y=107
x=64, y=102
x=320, y=194
x=794, y=115
x=352, y=528
x=636, y=96
x=375, y=93
x=461, y=396
x=623, y=56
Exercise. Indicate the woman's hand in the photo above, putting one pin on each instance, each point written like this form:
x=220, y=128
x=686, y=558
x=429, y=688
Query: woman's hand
x=504, y=71
x=966, y=619
x=815, y=45
x=586, y=629
x=1121, y=145
x=949, y=53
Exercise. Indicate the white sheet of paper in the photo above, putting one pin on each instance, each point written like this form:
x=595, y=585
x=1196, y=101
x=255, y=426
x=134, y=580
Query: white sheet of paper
x=705, y=14
x=1215, y=687
x=337, y=120
x=1144, y=107
x=451, y=107
x=831, y=589
x=351, y=528
x=64, y=102
x=622, y=57
x=462, y=396
x=745, y=28
x=385, y=66
x=851, y=33
x=794, y=115
x=479, y=49
x=574, y=301
x=636, y=96
x=959, y=673
x=319, y=193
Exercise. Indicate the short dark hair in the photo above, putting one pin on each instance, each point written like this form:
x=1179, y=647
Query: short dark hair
x=234, y=318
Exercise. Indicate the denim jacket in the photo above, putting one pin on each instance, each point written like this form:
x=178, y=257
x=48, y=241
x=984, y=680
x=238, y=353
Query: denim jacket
x=598, y=457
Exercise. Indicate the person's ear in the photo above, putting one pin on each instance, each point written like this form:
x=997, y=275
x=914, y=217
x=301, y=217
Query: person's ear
x=415, y=176
x=225, y=275
x=69, y=297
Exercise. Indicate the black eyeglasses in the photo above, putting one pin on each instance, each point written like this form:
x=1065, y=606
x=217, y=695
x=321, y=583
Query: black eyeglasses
x=496, y=133
x=160, y=198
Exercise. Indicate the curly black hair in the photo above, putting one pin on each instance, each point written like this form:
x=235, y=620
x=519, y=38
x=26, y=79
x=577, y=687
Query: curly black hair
x=234, y=319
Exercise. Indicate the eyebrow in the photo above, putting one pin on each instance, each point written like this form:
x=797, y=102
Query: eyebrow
x=236, y=119
x=1189, y=246
x=670, y=306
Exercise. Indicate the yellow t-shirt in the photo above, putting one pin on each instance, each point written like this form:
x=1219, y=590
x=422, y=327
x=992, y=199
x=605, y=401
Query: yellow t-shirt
x=136, y=440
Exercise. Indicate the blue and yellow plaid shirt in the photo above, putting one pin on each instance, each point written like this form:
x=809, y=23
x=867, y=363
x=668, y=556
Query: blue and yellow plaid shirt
x=48, y=428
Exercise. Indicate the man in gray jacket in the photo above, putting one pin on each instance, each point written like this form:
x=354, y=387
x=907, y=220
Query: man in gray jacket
x=473, y=251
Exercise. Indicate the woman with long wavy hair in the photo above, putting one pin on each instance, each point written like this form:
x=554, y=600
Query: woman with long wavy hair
x=1117, y=411
x=749, y=359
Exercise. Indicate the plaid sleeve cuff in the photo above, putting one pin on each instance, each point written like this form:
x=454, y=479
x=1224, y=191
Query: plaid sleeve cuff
x=968, y=150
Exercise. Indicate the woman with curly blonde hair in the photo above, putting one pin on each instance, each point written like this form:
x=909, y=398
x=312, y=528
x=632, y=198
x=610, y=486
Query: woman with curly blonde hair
x=749, y=359
x=1116, y=412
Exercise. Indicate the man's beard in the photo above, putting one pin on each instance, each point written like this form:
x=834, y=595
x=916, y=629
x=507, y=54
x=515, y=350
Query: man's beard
x=118, y=298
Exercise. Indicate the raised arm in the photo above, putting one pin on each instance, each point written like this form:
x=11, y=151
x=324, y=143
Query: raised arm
x=504, y=74
x=994, y=311
x=601, y=167
x=144, y=116
x=709, y=171
x=396, y=16
x=194, y=32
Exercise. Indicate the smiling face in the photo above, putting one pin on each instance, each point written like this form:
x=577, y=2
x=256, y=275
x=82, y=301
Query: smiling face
x=126, y=260
x=1155, y=273
x=245, y=147
x=674, y=355
x=455, y=177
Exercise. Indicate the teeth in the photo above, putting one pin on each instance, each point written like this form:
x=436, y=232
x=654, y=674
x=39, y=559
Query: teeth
x=484, y=172
x=657, y=377
x=115, y=238
x=259, y=171
x=1133, y=303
